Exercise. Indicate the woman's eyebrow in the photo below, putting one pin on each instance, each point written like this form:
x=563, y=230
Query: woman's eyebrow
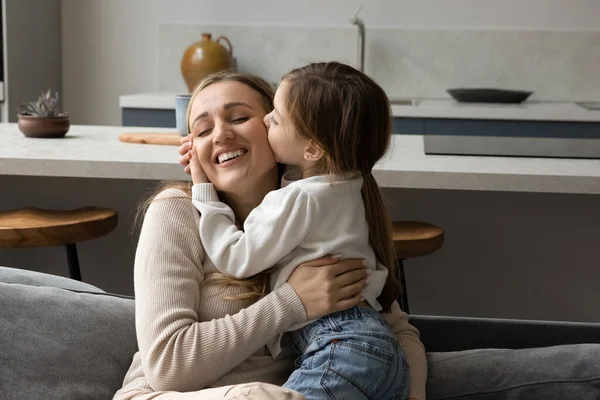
x=236, y=104
x=200, y=116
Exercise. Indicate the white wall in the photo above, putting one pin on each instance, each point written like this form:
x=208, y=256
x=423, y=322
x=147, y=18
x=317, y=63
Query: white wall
x=31, y=50
x=110, y=47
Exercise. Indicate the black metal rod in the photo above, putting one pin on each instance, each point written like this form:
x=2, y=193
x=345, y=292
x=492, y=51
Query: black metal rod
x=73, y=261
x=404, y=295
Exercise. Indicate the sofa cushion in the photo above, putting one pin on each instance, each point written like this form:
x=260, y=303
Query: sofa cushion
x=63, y=339
x=34, y=278
x=63, y=342
x=557, y=372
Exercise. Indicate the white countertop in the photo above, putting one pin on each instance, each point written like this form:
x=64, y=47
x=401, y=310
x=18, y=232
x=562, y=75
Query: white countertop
x=427, y=108
x=89, y=152
x=95, y=152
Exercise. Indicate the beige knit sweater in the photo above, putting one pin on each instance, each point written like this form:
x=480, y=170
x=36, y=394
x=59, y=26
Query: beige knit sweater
x=190, y=338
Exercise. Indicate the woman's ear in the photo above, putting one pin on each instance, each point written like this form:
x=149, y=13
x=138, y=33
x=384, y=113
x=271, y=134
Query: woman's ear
x=313, y=152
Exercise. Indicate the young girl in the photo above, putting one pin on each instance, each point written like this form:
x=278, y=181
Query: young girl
x=333, y=123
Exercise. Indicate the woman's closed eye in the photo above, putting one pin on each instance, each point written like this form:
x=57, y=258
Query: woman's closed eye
x=202, y=132
x=236, y=119
x=240, y=119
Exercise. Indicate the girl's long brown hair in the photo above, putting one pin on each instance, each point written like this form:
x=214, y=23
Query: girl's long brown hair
x=257, y=285
x=347, y=114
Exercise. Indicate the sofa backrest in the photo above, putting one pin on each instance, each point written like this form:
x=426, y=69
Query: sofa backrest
x=62, y=339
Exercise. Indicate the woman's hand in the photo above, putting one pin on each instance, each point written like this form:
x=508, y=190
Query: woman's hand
x=185, y=153
x=328, y=284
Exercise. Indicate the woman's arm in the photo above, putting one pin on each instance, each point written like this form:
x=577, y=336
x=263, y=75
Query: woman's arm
x=414, y=351
x=271, y=231
x=179, y=352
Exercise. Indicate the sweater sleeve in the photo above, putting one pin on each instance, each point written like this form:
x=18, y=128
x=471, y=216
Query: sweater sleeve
x=414, y=351
x=271, y=231
x=179, y=352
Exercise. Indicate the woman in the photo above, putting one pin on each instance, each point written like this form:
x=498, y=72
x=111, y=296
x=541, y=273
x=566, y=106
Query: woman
x=197, y=328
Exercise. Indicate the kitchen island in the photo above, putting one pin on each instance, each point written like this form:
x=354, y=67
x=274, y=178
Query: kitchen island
x=96, y=152
x=521, y=233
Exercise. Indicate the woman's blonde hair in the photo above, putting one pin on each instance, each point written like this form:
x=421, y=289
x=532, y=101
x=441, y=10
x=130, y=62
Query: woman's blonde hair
x=258, y=285
x=347, y=115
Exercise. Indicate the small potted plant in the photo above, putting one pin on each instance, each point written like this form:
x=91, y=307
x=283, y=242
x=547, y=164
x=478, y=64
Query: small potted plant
x=41, y=119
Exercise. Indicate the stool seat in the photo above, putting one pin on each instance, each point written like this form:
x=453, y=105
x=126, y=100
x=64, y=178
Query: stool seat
x=415, y=239
x=35, y=227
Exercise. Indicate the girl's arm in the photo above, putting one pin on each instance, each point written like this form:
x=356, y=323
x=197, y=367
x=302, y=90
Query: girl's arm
x=414, y=351
x=271, y=231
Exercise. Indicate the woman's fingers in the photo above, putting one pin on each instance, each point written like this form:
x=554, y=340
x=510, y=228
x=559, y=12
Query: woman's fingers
x=351, y=290
x=348, y=302
x=343, y=266
x=328, y=285
x=321, y=262
x=351, y=277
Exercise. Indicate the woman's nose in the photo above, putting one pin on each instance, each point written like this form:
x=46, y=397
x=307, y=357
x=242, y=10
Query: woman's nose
x=266, y=119
x=222, y=132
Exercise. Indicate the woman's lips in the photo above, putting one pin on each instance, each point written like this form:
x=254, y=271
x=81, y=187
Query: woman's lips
x=227, y=155
x=232, y=161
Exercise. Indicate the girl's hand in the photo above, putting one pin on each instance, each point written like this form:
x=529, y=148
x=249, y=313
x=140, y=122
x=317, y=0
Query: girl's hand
x=328, y=284
x=185, y=153
x=198, y=175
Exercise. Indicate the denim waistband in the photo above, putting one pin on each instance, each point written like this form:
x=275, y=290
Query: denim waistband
x=356, y=313
x=352, y=323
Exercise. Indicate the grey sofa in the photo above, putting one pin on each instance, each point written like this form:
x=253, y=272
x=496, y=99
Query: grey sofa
x=62, y=339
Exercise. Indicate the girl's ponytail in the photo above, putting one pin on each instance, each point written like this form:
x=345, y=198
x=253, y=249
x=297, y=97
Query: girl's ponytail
x=380, y=239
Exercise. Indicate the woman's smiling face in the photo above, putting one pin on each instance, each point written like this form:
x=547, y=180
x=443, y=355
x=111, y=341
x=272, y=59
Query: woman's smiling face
x=230, y=138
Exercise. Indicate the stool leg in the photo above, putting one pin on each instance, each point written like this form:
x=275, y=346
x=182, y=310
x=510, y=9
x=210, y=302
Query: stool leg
x=73, y=261
x=404, y=295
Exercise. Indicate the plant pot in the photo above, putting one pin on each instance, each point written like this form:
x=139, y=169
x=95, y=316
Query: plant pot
x=44, y=127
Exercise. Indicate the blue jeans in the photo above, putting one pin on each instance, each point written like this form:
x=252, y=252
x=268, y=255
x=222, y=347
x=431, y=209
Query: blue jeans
x=349, y=355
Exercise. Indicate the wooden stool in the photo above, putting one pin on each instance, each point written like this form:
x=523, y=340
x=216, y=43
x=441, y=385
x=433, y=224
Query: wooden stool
x=35, y=227
x=414, y=239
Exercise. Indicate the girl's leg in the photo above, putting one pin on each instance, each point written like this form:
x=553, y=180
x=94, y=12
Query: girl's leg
x=349, y=355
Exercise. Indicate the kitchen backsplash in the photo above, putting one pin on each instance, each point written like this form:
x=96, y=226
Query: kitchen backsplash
x=410, y=63
x=267, y=51
x=554, y=65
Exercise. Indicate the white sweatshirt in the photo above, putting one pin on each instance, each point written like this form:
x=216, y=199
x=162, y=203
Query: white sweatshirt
x=305, y=220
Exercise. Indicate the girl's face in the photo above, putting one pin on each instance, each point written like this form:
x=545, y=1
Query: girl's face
x=288, y=147
x=230, y=138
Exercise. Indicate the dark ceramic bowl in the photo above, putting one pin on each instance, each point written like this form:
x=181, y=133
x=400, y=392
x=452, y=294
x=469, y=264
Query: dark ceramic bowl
x=44, y=127
x=489, y=95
